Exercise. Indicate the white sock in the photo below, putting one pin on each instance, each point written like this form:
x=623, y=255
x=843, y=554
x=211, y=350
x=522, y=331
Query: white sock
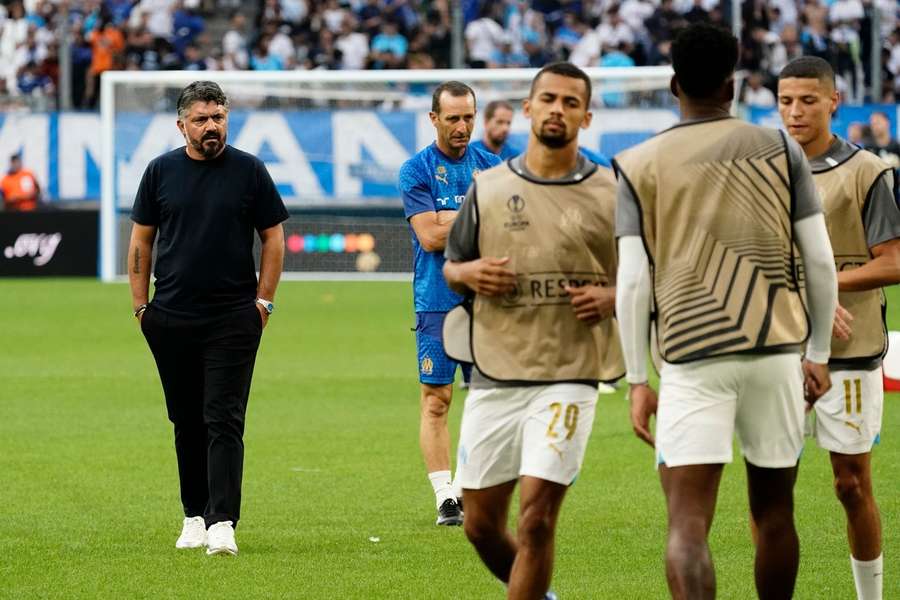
x=443, y=488
x=869, y=577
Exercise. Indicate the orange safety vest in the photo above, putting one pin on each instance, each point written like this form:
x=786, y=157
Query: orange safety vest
x=20, y=190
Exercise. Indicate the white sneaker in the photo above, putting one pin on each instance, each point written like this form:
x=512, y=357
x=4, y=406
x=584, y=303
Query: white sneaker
x=220, y=539
x=193, y=533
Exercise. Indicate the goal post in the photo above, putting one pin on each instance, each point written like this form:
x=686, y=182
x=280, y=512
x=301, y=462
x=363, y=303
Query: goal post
x=333, y=142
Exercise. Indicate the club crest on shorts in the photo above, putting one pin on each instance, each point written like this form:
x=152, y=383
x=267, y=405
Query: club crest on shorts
x=427, y=366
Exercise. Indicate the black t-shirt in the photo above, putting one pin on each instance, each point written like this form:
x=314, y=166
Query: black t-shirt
x=205, y=212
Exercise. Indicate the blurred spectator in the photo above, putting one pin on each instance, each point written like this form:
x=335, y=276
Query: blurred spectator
x=325, y=55
x=262, y=60
x=193, y=60
x=859, y=134
x=371, y=17
x=756, y=94
x=353, y=45
x=234, y=42
x=186, y=26
x=882, y=142
x=359, y=34
x=333, y=16
x=155, y=15
x=586, y=52
x=635, y=13
x=616, y=58
x=568, y=34
x=294, y=11
x=389, y=47
x=32, y=80
x=19, y=186
x=614, y=31
x=662, y=23
x=280, y=43
x=484, y=36
x=697, y=13
x=107, y=45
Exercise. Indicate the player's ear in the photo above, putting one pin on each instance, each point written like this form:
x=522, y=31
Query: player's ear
x=673, y=86
x=526, y=108
x=180, y=125
x=586, y=121
x=434, y=117
x=728, y=90
x=835, y=100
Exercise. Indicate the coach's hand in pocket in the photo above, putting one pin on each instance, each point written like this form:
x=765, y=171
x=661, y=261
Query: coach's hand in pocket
x=262, y=315
x=643, y=406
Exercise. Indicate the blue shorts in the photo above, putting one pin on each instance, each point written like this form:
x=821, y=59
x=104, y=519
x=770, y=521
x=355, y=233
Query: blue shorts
x=435, y=367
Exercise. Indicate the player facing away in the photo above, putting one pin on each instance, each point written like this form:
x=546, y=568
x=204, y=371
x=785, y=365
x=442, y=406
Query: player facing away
x=534, y=249
x=433, y=184
x=858, y=194
x=498, y=117
x=707, y=216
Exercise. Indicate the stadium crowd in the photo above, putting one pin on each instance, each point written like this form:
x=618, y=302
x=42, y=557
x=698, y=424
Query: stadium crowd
x=416, y=34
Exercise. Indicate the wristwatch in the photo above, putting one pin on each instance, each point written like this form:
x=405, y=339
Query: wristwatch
x=266, y=304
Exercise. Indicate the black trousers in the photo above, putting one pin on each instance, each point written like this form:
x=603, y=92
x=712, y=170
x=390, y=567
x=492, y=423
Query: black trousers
x=205, y=365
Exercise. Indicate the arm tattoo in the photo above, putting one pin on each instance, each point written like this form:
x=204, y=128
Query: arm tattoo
x=137, y=260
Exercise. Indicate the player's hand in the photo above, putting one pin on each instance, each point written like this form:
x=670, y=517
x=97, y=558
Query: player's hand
x=643, y=406
x=841, y=328
x=592, y=303
x=488, y=276
x=816, y=380
x=263, y=314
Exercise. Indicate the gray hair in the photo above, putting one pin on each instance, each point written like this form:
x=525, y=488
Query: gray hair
x=200, y=91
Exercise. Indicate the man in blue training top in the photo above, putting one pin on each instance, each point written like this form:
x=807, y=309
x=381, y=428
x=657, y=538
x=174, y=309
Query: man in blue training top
x=498, y=117
x=433, y=184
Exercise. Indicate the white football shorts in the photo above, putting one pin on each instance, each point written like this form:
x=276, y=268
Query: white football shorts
x=702, y=403
x=537, y=431
x=847, y=418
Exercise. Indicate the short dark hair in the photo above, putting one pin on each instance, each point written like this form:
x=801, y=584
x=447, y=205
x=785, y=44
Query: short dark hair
x=492, y=107
x=808, y=67
x=200, y=91
x=454, y=88
x=566, y=69
x=704, y=57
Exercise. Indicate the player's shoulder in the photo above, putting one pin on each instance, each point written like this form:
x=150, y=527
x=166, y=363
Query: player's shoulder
x=870, y=161
x=418, y=163
x=483, y=157
x=244, y=159
x=167, y=161
x=493, y=174
x=594, y=157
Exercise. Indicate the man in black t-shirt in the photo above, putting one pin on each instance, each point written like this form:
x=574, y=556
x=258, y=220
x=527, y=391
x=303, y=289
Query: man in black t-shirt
x=208, y=311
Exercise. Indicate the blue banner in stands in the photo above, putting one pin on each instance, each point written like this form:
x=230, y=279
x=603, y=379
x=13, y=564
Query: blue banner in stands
x=322, y=157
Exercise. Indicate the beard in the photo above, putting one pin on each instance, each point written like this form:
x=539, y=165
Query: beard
x=499, y=140
x=209, y=145
x=559, y=139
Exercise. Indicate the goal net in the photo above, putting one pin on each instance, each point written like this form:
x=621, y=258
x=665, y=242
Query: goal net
x=334, y=142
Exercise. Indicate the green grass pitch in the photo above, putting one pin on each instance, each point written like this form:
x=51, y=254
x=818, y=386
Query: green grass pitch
x=89, y=505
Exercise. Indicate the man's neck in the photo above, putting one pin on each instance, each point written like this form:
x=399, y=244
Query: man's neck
x=495, y=148
x=551, y=163
x=694, y=110
x=193, y=154
x=818, y=146
x=451, y=152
